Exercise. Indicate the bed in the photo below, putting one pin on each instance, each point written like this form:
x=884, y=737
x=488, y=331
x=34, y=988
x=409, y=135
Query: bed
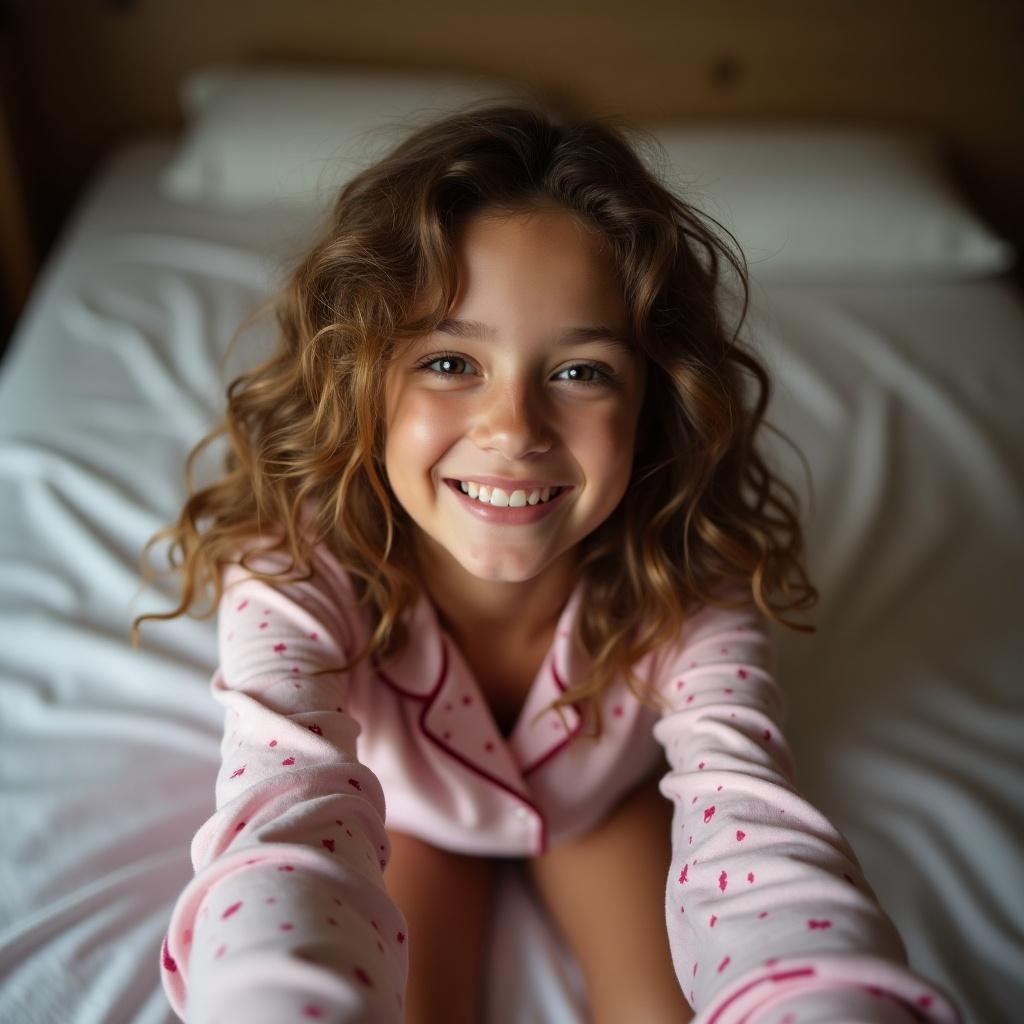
x=898, y=372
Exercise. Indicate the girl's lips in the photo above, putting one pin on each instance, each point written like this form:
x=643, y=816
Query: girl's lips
x=508, y=516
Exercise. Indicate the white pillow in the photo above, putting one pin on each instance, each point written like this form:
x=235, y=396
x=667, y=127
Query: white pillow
x=279, y=133
x=806, y=203
x=827, y=203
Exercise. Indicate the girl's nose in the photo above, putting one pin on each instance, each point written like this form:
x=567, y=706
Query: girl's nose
x=513, y=423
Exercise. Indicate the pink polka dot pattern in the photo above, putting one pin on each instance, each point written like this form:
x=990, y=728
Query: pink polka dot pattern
x=723, y=741
x=289, y=860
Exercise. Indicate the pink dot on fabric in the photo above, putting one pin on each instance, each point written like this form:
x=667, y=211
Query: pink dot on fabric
x=234, y=908
x=718, y=789
x=924, y=1001
x=355, y=783
x=272, y=743
x=764, y=913
x=709, y=813
x=348, y=832
x=695, y=968
x=680, y=684
x=280, y=648
x=694, y=800
x=723, y=880
x=812, y=924
x=312, y=1010
x=328, y=843
x=266, y=611
x=467, y=700
x=725, y=963
x=287, y=927
x=169, y=962
x=767, y=734
x=682, y=874
x=689, y=700
x=701, y=766
x=401, y=937
x=288, y=760
x=617, y=711
x=187, y=937
x=220, y=952
x=741, y=673
x=285, y=867
x=714, y=918
x=238, y=771
x=270, y=899
x=740, y=835
x=314, y=635
x=771, y=961
x=263, y=625
x=728, y=689
x=363, y=977
x=240, y=826
x=242, y=606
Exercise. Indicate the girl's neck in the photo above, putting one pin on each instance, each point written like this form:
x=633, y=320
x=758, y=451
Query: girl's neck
x=512, y=614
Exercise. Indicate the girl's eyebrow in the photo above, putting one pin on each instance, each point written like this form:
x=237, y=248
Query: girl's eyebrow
x=570, y=336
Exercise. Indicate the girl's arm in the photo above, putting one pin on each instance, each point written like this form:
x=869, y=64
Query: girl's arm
x=766, y=903
x=287, y=917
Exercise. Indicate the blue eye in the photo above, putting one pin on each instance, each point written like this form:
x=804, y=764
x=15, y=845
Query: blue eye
x=605, y=375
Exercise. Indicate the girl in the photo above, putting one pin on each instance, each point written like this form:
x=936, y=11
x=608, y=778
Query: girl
x=493, y=543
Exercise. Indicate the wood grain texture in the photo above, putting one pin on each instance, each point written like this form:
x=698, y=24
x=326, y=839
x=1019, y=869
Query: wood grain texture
x=94, y=74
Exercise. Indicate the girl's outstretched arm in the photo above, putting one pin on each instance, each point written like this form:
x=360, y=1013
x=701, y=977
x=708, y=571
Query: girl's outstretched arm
x=287, y=916
x=770, y=918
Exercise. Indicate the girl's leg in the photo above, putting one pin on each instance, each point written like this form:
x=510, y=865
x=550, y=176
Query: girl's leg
x=606, y=891
x=445, y=898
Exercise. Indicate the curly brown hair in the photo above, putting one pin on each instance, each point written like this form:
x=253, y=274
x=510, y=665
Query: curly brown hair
x=306, y=427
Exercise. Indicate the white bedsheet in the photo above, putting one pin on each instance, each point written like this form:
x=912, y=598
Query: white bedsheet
x=908, y=402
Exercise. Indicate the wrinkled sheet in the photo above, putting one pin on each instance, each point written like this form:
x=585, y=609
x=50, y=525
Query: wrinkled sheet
x=906, y=399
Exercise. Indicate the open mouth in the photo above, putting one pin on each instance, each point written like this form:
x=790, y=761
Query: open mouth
x=509, y=514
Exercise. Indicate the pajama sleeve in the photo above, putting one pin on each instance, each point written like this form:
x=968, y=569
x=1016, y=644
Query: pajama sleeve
x=286, y=917
x=769, y=917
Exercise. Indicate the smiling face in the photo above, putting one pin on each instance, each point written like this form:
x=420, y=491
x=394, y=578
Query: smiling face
x=514, y=400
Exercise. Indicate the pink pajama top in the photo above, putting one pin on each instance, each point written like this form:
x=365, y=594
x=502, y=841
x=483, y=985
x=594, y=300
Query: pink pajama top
x=769, y=917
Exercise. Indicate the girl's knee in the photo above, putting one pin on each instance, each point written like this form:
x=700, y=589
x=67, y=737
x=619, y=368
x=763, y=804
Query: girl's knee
x=445, y=899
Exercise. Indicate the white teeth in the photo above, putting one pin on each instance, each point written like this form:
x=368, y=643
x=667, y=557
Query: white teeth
x=502, y=499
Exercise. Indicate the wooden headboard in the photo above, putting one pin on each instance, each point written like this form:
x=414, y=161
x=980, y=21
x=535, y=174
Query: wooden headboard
x=79, y=76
